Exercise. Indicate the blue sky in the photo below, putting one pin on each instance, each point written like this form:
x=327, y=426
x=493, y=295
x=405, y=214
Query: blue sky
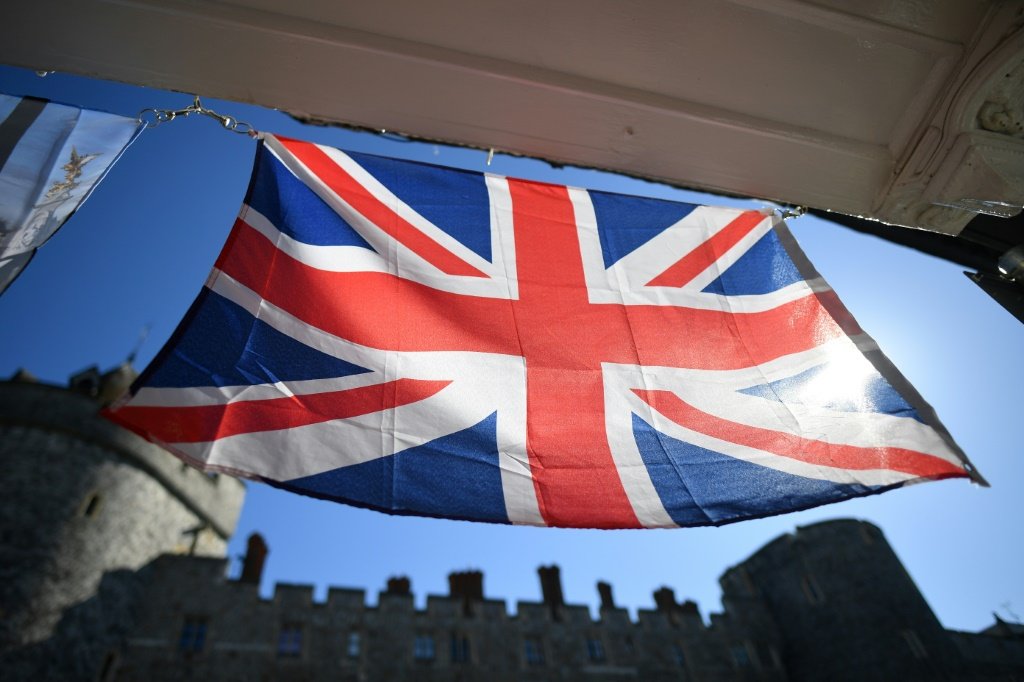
x=138, y=252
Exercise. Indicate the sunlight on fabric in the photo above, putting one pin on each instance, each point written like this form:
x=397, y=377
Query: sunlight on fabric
x=843, y=380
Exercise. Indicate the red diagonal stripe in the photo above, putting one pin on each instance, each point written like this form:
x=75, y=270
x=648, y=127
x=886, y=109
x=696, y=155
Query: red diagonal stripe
x=372, y=309
x=713, y=339
x=795, y=447
x=359, y=198
x=205, y=423
x=698, y=260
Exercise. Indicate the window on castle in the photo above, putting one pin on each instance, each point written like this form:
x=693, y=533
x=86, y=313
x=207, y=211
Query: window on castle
x=109, y=666
x=740, y=655
x=193, y=634
x=423, y=648
x=595, y=650
x=811, y=590
x=679, y=654
x=914, y=642
x=289, y=641
x=91, y=505
x=630, y=645
x=352, y=645
x=867, y=534
x=460, y=648
x=533, y=651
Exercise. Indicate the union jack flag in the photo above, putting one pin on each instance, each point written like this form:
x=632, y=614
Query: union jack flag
x=421, y=340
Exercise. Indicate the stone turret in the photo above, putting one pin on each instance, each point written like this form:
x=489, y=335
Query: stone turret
x=84, y=504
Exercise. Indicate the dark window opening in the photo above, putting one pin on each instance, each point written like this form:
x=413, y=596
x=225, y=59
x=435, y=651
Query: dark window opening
x=812, y=591
x=193, y=634
x=423, y=648
x=289, y=641
x=92, y=505
x=741, y=656
x=867, y=534
x=460, y=648
x=630, y=645
x=914, y=642
x=107, y=671
x=352, y=646
x=595, y=650
x=679, y=654
x=533, y=650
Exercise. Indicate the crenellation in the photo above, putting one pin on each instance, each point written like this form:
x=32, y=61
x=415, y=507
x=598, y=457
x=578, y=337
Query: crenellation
x=533, y=611
x=654, y=619
x=492, y=610
x=346, y=599
x=293, y=596
x=615, y=618
x=443, y=606
x=576, y=614
x=389, y=602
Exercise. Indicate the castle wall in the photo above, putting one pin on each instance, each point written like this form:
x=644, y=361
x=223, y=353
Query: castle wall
x=246, y=637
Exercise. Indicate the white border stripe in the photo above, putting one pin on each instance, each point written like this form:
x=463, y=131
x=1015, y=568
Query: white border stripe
x=336, y=258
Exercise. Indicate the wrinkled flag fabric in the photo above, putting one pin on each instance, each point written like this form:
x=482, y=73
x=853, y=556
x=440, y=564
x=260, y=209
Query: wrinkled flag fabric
x=52, y=156
x=421, y=340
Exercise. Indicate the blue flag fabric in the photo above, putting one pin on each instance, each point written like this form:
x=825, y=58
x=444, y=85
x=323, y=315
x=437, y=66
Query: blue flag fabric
x=52, y=156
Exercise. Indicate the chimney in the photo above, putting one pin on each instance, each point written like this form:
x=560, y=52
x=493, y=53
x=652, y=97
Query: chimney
x=551, y=588
x=605, y=590
x=399, y=585
x=256, y=551
x=665, y=600
x=467, y=586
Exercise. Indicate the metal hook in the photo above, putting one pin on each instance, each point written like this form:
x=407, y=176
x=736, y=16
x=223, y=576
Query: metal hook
x=794, y=212
x=151, y=118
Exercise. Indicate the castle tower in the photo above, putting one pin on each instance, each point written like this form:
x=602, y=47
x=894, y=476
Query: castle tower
x=84, y=505
x=840, y=605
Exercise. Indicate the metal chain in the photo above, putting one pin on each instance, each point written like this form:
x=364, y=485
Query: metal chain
x=151, y=118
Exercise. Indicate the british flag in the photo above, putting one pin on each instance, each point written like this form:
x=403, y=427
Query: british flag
x=422, y=340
